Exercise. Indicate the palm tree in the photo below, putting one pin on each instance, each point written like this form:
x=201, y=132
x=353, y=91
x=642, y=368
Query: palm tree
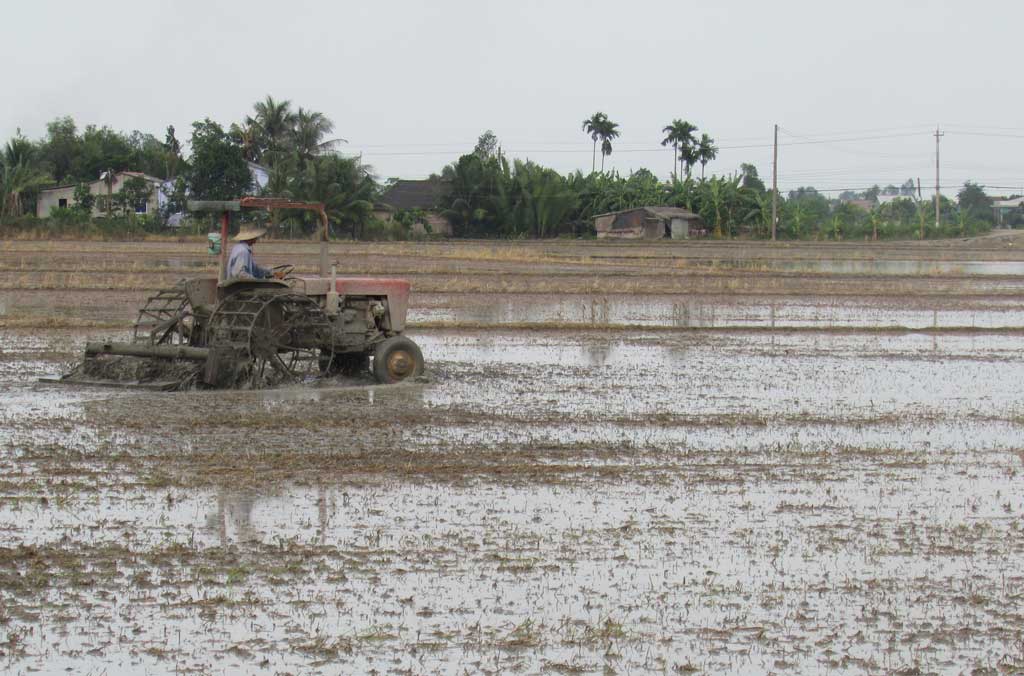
x=15, y=181
x=706, y=151
x=281, y=182
x=308, y=133
x=679, y=135
x=247, y=137
x=343, y=185
x=19, y=150
x=607, y=131
x=274, y=121
x=593, y=126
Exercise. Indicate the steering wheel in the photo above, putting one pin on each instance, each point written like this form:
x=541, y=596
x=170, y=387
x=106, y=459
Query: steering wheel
x=283, y=271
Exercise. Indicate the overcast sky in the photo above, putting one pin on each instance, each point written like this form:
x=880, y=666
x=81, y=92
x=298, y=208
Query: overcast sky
x=412, y=84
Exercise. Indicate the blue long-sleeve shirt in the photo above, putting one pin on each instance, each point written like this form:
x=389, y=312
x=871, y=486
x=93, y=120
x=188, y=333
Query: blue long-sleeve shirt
x=241, y=263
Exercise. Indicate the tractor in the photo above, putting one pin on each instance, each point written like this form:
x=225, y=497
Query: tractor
x=244, y=332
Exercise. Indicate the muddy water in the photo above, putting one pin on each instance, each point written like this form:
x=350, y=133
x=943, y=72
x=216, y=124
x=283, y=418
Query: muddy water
x=709, y=311
x=871, y=266
x=612, y=502
x=624, y=499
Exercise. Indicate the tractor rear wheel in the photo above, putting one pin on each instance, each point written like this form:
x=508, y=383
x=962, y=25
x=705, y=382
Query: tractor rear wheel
x=397, y=359
x=275, y=335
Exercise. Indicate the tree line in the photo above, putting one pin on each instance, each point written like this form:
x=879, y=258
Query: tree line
x=484, y=195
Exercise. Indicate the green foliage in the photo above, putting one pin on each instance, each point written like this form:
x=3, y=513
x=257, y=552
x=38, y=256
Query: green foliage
x=61, y=149
x=63, y=219
x=218, y=171
x=534, y=202
x=344, y=187
x=749, y=178
x=271, y=126
x=804, y=214
x=133, y=196
x=342, y=184
x=83, y=198
x=485, y=195
x=721, y=205
x=845, y=218
x=486, y=145
x=489, y=198
x=388, y=231
x=472, y=189
x=172, y=149
x=973, y=200
x=71, y=157
x=410, y=217
x=177, y=198
x=600, y=193
x=308, y=133
x=18, y=182
x=73, y=222
x=19, y=150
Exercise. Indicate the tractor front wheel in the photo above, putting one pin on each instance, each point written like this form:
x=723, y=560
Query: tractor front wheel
x=397, y=359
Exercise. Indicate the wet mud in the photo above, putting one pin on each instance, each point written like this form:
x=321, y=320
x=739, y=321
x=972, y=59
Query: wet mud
x=662, y=492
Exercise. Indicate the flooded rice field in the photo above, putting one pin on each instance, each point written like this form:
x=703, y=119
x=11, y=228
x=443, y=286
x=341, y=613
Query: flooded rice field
x=804, y=481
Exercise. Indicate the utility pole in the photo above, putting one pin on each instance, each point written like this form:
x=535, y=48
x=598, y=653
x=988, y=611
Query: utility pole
x=938, y=196
x=775, y=182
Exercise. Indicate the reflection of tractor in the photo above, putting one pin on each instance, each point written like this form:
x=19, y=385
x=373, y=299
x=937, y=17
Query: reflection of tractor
x=250, y=332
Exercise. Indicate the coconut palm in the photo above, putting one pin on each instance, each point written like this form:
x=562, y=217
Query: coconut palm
x=281, y=182
x=16, y=180
x=247, y=137
x=274, y=121
x=308, y=134
x=19, y=150
x=679, y=135
x=343, y=185
x=593, y=126
x=607, y=131
x=705, y=152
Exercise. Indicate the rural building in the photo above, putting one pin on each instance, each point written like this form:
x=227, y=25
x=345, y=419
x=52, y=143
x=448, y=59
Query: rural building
x=864, y=205
x=889, y=199
x=648, y=223
x=424, y=195
x=1005, y=209
x=64, y=196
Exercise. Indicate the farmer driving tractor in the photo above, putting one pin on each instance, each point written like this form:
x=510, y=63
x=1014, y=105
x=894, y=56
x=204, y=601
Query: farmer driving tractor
x=241, y=264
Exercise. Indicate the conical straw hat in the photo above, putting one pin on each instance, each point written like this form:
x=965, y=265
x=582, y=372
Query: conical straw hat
x=246, y=234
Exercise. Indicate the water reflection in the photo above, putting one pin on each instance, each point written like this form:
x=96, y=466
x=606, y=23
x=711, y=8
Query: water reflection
x=236, y=518
x=597, y=353
x=232, y=518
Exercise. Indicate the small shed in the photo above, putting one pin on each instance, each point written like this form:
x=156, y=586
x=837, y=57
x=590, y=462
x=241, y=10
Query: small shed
x=647, y=223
